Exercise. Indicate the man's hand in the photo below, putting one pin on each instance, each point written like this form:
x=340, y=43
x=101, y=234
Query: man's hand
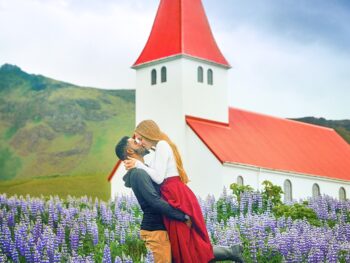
x=130, y=163
x=188, y=222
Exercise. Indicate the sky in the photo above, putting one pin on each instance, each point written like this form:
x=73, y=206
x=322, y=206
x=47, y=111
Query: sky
x=290, y=58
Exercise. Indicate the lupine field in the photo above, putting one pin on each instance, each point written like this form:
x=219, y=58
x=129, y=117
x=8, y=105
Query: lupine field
x=86, y=230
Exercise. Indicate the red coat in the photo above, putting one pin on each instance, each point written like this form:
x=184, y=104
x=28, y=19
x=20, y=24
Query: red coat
x=188, y=245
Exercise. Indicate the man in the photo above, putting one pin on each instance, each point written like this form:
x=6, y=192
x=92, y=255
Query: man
x=153, y=231
x=147, y=192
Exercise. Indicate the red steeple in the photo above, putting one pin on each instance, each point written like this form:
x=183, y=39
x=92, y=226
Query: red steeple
x=181, y=28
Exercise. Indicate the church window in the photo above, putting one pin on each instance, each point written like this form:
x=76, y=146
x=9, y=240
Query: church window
x=240, y=181
x=163, y=74
x=210, y=77
x=287, y=191
x=342, y=194
x=315, y=190
x=200, y=74
x=153, y=77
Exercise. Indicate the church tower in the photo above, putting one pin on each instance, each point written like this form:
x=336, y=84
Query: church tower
x=181, y=83
x=181, y=71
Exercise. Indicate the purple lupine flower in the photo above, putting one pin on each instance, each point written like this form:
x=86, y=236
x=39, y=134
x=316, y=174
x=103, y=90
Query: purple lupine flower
x=107, y=255
x=119, y=260
x=20, y=235
x=74, y=238
x=122, y=236
x=297, y=240
x=90, y=259
x=37, y=229
x=107, y=238
x=60, y=236
x=3, y=258
x=95, y=233
x=149, y=257
x=14, y=253
x=27, y=253
x=36, y=255
x=57, y=257
x=332, y=255
x=11, y=219
x=50, y=243
x=6, y=239
x=128, y=260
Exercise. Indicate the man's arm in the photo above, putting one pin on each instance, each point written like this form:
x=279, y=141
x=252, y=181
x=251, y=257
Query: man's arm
x=144, y=184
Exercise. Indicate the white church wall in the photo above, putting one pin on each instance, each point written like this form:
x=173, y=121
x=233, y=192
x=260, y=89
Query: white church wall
x=204, y=170
x=201, y=99
x=162, y=102
x=231, y=173
x=301, y=184
x=117, y=182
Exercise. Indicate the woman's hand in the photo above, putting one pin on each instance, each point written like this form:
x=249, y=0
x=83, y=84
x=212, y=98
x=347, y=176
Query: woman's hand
x=130, y=163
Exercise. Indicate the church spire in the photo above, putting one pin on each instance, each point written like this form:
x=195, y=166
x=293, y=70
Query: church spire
x=181, y=28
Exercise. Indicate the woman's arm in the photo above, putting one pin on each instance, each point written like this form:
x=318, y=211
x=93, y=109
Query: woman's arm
x=157, y=171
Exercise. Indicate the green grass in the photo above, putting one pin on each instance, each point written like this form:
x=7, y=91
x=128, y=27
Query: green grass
x=9, y=164
x=89, y=185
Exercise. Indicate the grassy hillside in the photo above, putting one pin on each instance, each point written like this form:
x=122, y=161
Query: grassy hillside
x=58, y=138
x=342, y=127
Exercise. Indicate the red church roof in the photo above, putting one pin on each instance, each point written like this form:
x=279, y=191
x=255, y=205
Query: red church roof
x=181, y=28
x=275, y=143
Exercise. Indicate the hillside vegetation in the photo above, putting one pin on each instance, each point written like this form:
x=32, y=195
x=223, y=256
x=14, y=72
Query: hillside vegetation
x=56, y=137
x=342, y=127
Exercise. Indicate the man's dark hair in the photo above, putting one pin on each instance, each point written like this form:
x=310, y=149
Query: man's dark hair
x=121, y=147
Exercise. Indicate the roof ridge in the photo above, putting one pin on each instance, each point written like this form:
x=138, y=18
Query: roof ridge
x=218, y=123
x=284, y=119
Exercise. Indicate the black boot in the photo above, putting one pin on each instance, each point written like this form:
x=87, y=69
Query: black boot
x=233, y=253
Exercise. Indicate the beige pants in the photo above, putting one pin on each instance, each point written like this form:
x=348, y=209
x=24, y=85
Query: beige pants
x=158, y=242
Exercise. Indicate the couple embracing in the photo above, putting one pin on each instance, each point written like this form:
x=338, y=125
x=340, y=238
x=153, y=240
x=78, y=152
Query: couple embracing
x=173, y=226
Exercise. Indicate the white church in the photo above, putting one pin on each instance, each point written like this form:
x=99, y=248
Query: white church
x=181, y=83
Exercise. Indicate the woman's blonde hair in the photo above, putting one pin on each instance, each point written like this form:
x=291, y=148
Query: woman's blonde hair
x=151, y=131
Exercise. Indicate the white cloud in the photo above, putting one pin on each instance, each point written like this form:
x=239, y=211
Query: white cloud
x=284, y=78
x=86, y=47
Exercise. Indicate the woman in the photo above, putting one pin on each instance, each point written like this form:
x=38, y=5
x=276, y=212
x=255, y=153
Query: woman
x=188, y=245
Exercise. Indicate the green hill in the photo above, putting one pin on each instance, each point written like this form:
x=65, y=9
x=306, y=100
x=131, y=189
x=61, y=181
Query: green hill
x=342, y=127
x=56, y=137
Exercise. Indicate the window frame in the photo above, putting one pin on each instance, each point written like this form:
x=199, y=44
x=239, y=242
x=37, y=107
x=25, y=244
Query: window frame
x=154, y=77
x=210, y=76
x=314, y=187
x=163, y=74
x=200, y=74
x=288, y=193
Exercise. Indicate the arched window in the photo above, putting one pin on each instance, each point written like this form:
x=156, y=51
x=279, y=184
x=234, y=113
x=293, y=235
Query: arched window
x=240, y=180
x=315, y=190
x=163, y=74
x=210, y=77
x=342, y=194
x=200, y=74
x=153, y=77
x=287, y=189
